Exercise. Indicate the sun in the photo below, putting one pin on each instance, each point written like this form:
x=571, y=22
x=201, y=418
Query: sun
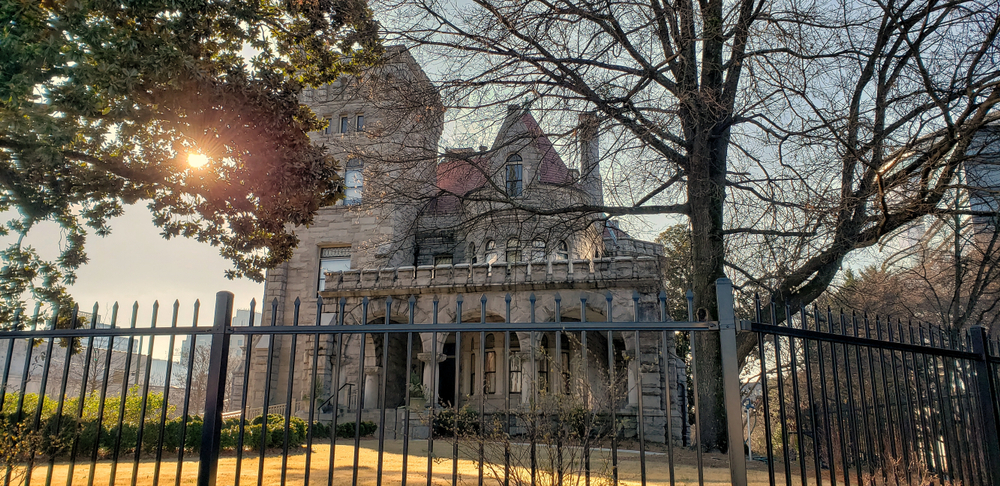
x=197, y=160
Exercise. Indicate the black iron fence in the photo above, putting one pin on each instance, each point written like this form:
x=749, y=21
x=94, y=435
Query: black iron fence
x=592, y=402
x=366, y=399
x=848, y=399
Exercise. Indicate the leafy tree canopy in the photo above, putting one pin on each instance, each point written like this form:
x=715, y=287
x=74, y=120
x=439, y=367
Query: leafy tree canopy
x=677, y=268
x=101, y=103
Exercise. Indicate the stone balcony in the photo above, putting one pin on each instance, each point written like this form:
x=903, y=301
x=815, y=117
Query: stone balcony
x=606, y=273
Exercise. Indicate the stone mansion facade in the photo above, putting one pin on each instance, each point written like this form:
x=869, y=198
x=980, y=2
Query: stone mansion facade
x=416, y=223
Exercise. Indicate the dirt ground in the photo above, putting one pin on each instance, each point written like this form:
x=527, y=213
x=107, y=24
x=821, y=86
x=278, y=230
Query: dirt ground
x=716, y=471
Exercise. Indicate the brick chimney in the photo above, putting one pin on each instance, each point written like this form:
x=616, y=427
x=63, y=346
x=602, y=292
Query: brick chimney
x=587, y=134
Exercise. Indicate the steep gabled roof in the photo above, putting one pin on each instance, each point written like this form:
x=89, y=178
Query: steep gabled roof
x=552, y=169
x=462, y=172
x=612, y=230
x=455, y=178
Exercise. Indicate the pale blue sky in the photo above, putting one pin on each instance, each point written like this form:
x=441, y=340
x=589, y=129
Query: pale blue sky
x=135, y=263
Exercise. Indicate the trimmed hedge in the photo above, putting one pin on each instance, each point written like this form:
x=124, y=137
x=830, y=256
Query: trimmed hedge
x=56, y=434
x=320, y=430
x=346, y=430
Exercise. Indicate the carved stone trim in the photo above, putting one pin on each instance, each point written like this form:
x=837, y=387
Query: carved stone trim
x=426, y=357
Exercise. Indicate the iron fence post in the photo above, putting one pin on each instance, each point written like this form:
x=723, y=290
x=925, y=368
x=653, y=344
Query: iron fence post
x=731, y=380
x=211, y=431
x=988, y=397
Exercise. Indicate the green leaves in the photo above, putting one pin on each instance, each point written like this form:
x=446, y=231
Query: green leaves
x=101, y=102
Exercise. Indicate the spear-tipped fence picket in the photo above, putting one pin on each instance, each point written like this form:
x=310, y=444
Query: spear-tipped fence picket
x=845, y=400
x=857, y=399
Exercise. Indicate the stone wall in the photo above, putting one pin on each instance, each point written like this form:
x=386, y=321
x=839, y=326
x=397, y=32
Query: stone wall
x=631, y=284
x=639, y=273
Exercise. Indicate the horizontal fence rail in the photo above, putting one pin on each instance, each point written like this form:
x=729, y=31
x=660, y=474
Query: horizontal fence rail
x=362, y=399
x=96, y=399
x=849, y=399
x=108, y=398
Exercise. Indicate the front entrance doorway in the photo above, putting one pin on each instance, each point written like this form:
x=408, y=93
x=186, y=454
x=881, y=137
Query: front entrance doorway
x=446, y=389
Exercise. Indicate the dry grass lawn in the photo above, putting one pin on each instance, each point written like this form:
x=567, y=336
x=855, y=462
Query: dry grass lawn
x=716, y=470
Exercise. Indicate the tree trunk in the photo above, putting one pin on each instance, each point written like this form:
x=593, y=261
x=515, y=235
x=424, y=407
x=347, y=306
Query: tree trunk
x=706, y=192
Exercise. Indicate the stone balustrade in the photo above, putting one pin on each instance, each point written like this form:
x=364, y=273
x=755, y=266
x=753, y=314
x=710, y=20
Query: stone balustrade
x=584, y=274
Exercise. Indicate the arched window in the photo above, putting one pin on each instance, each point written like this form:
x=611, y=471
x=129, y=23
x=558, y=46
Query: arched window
x=562, y=251
x=354, y=181
x=513, y=250
x=470, y=256
x=491, y=252
x=515, y=176
x=537, y=251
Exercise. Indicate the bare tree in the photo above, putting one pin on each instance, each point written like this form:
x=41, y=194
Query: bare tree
x=946, y=278
x=957, y=287
x=788, y=133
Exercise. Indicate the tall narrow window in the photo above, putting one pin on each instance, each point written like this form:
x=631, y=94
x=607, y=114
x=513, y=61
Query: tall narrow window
x=345, y=124
x=471, y=255
x=515, y=176
x=476, y=387
x=542, y=377
x=354, y=181
x=566, y=382
x=514, y=365
x=361, y=123
x=490, y=365
x=537, y=251
x=563, y=251
x=332, y=260
x=329, y=126
x=491, y=252
x=515, y=374
x=513, y=250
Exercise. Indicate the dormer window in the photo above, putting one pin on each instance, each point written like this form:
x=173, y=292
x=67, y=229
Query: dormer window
x=515, y=176
x=471, y=254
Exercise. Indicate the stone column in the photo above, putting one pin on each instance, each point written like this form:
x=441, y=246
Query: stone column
x=431, y=368
x=372, y=383
x=632, y=355
x=529, y=367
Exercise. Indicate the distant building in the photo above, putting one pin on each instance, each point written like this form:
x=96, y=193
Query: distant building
x=982, y=177
x=971, y=210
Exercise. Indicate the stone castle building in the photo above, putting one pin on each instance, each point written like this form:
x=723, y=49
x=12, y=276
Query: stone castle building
x=474, y=223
